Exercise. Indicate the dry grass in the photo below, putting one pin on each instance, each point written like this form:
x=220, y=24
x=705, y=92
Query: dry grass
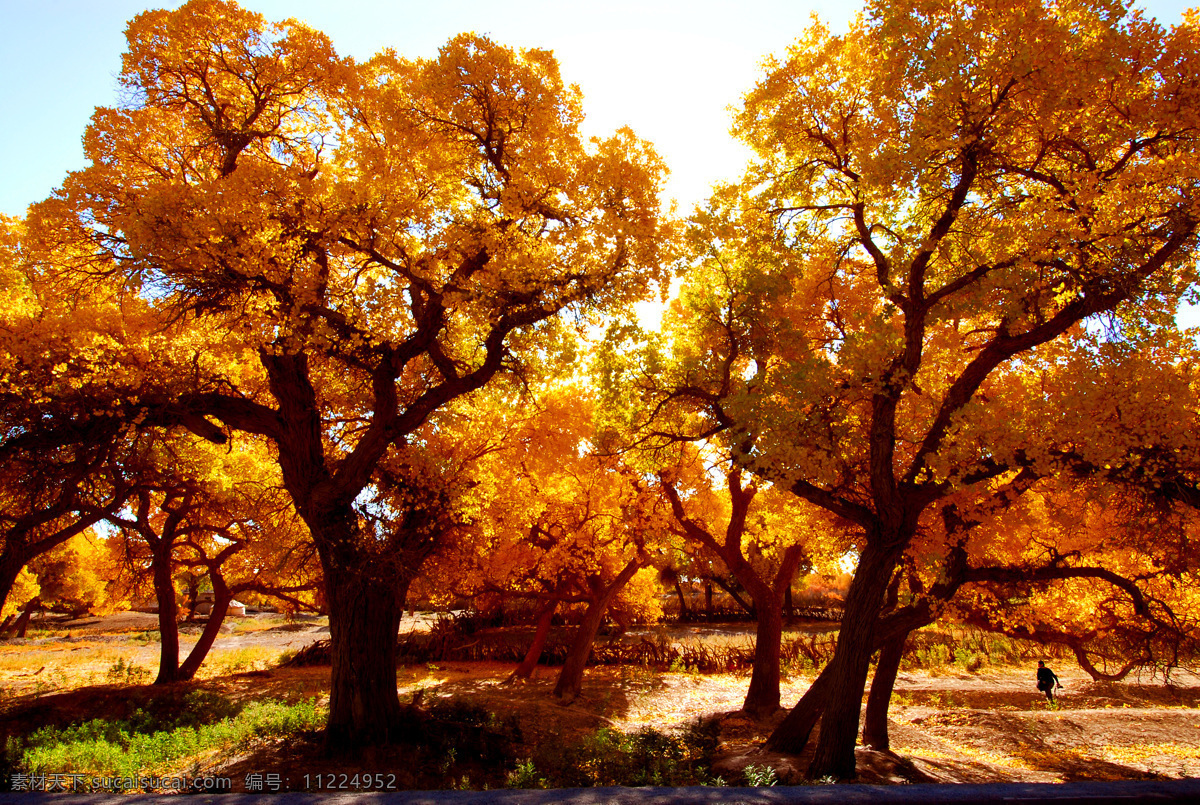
x=98, y=651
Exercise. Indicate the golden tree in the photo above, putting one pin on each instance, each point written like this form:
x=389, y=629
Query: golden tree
x=64, y=351
x=763, y=536
x=940, y=195
x=557, y=522
x=221, y=514
x=359, y=245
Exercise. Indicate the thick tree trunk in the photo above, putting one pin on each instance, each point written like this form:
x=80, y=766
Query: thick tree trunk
x=168, y=612
x=22, y=624
x=875, y=723
x=364, y=619
x=762, y=698
x=793, y=732
x=540, y=635
x=570, y=679
x=850, y=664
x=364, y=593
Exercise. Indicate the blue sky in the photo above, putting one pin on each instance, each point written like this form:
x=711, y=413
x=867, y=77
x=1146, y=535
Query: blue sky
x=670, y=70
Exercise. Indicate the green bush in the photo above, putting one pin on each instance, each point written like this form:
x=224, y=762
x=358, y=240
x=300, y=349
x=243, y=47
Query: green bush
x=648, y=757
x=760, y=775
x=937, y=655
x=525, y=775
x=968, y=660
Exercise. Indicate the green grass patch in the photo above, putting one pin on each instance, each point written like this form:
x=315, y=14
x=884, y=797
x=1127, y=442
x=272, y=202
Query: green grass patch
x=148, y=743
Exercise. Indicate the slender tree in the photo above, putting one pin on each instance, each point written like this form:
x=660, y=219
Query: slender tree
x=765, y=541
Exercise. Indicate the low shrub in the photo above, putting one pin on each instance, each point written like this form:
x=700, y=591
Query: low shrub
x=969, y=650
x=647, y=757
x=802, y=654
x=122, y=673
x=760, y=776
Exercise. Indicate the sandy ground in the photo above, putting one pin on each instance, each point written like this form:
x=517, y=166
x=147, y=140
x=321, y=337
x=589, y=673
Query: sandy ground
x=986, y=727
x=954, y=727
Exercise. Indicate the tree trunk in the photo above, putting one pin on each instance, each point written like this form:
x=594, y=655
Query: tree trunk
x=762, y=698
x=793, y=732
x=789, y=607
x=10, y=568
x=22, y=624
x=540, y=635
x=364, y=620
x=708, y=605
x=19, y=627
x=193, y=594
x=216, y=616
x=875, y=723
x=748, y=606
x=168, y=611
x=850, y=664
x=684, y=615
x=570, y=679
x=364, y=592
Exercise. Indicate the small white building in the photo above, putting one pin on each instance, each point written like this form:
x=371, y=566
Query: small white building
x=204, y=605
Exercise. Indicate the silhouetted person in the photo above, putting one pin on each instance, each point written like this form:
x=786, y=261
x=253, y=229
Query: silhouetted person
x=1047, y=681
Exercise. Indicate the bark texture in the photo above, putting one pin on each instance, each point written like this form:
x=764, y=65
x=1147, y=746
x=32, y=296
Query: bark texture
x=850, y=664
x=212, y=627
x=793, y=732
x=364, y=619
x=762, y=697
x=875, y=723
